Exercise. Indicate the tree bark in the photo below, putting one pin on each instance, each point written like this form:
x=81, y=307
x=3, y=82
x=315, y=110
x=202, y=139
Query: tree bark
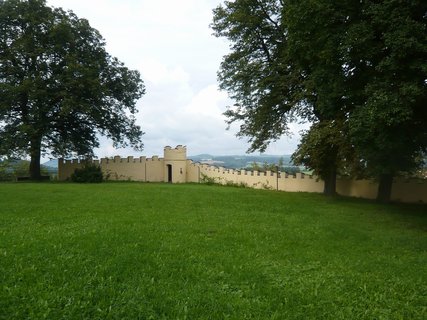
x=330, y=183
x=35, y=153
x=384, y=188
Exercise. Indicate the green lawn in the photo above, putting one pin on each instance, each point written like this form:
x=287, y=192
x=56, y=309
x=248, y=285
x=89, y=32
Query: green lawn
x=160, y=251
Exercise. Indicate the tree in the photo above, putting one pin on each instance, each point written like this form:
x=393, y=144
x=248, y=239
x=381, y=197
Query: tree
x=326, y=149
x=359, y=64
x=59, y=87
x=316, y=49
x=387, y=56
x=257, y=74
x=281, y=67
x=366, y=63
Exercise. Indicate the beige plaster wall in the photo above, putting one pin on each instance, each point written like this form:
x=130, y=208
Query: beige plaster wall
x=178, y=153
x=183, y=170
x=193, y=171
x=403, y=190
x=67, y=167
x=413, y=190
x=263, y=180
x=179, y=171
x=366, y=189
x=129, y=168
x=177, y=158
x=155, y=170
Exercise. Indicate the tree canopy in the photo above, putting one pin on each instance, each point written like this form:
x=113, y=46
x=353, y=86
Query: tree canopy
x=257, y=73
x=387, y=53
x=59, y=87
x=281, y=69
x=356, y=69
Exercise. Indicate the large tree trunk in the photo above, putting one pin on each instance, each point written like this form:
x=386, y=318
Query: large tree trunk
x=384, y=188
x=330, y=188
x=35, y=154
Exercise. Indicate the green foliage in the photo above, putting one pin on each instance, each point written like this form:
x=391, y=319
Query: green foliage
x=22, y=168
x=229, y=183
x=257, y=74
x=281, y=66
x=10, y=170
x=325, y=148
x=291, y=169
x=255, y=166
x=208, y=180
x=90, y=173
x=361, y=64
x=389, y=127
x=59, y=87
x=5, y=171
x=161, y=251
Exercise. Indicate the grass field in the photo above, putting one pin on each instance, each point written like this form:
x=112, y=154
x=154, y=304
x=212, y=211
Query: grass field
x=160, y=251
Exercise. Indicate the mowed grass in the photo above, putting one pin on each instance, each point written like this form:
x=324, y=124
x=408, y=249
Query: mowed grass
x=160, y=251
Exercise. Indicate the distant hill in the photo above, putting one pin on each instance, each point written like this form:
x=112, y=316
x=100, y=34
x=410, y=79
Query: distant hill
x=51, y=163
x=240, y=161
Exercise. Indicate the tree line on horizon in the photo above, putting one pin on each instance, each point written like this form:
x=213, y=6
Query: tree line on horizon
x=357, y=70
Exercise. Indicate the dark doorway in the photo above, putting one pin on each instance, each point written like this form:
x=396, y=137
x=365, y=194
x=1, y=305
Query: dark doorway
x=169, y=166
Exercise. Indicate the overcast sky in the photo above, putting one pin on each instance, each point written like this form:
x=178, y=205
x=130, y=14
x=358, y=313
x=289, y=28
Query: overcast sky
x=171, y=44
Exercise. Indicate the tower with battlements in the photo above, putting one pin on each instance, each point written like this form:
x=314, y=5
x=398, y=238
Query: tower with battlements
x=175, y=164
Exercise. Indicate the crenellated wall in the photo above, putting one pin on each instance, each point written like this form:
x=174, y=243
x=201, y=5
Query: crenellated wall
x=176, y=168
x=129, y=168
x=171, y=168
x=260, y=180
x=404, y=190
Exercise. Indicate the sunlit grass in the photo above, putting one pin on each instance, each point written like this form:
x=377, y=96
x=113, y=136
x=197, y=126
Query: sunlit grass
x=160, y=251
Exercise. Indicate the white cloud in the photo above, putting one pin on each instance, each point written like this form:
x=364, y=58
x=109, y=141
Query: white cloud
x=208, y=102
x=171, y=44
x=157, y=73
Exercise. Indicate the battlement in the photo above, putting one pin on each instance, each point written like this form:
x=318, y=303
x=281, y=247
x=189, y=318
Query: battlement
x=176, y=168
x=179, y=153
x=178, y=147
x=154, y=158
x=268, y=173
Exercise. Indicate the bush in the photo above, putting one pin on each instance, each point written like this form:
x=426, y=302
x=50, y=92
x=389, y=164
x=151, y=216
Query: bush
x=208, y=180
x=229, y=183
x=6, y=173
x=90, y=173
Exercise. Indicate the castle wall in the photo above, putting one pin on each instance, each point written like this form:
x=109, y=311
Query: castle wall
x=155, y=169
x=67, y=167
x=175, y=161
x=176, y=158
x=263, y=180
x=129, y=168
x=366, y=189
x=300, y=183
x=119, y=169
x=193, y=171
x=409, y=190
